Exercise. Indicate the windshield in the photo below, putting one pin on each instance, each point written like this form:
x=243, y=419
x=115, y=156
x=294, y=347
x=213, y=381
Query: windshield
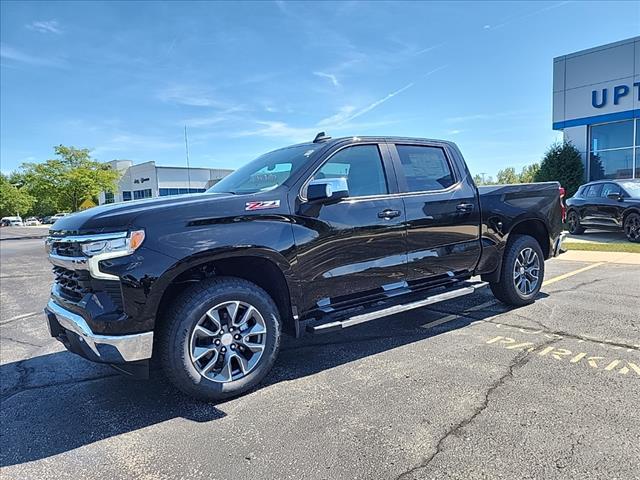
x=633, y=188
x=266, y=172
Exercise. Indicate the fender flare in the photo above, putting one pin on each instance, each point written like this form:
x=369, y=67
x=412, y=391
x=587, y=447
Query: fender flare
x=527, y=217
x=163, y=282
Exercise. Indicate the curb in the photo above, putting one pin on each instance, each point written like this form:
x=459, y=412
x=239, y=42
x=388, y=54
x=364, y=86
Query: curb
x=31, y=237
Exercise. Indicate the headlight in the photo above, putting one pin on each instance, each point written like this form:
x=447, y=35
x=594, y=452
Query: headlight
x=126, y=245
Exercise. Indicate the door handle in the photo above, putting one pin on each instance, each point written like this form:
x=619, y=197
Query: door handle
x=465, y=207
x=388, y=213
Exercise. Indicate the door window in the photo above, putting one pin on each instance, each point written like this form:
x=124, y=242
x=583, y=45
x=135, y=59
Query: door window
x=361, y=166
x=610, y=188
x=425, y=168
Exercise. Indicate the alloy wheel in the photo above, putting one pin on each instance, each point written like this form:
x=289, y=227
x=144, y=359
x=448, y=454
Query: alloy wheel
x=228, y=341
x=526, y=271
x=632, y=227
x=573, y=222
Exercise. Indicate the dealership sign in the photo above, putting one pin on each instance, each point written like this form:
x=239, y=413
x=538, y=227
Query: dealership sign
x=600, y=98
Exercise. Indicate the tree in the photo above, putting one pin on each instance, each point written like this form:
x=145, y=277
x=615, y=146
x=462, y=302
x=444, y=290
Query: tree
x=65, y=182
x=597, y=169
x=14, y=200
x=528, y=174
x=482, y=179
x=508, y=175
x=562, y=163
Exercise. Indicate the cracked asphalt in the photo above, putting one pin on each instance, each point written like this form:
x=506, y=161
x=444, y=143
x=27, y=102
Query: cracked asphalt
x=465, y=389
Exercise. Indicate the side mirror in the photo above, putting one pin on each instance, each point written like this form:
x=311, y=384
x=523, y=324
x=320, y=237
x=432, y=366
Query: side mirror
x=327, y=189
x=615, y=196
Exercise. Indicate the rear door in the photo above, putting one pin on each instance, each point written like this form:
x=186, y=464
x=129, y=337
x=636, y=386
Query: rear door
x=356, y=246
x=442, y=212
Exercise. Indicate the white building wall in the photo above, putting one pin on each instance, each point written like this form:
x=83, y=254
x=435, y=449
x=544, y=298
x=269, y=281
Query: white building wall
x=140, y=177
x=148, y=176
x=172, y=177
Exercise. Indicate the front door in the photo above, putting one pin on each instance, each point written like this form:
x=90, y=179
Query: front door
x=442, y=210
x=356, y=246
x=609, y=210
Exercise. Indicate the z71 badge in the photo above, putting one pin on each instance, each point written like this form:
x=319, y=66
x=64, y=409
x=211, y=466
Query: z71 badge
x=249, y=206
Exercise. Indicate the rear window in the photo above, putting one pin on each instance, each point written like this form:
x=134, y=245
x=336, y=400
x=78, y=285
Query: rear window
x=593, y=191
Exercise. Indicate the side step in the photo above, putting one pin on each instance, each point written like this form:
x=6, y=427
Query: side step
x=465, y=288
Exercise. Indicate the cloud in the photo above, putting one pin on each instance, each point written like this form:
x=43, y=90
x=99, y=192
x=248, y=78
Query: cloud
x=431, y=72
x=341, y=121
x=126, y=142
x=277, y=129
x=280, y=130
x=428, y=49
x=9, y=53
x=189, y=95
x=45, y=26
x=375, y=104
x=517, y=18
x=489, y=116
x=332, y=78
x=197, y=122
x=338, y=118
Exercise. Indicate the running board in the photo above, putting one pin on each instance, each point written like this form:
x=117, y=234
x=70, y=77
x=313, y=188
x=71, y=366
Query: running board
x=468, y=288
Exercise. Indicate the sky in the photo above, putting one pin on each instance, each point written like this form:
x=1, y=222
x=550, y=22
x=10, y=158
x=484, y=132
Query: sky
x=123, y=79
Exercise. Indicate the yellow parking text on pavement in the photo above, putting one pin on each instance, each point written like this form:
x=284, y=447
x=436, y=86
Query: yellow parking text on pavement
x=594, y=362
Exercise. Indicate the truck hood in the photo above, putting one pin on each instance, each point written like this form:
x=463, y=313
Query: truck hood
x=121, y=216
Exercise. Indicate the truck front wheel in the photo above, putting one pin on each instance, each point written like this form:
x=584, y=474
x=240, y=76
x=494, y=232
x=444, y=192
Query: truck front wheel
x=522, y=272
x=220, y=338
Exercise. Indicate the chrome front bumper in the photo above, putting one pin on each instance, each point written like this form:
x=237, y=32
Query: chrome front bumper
x=100, y=348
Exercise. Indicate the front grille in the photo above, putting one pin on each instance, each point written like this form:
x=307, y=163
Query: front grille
x=67, y=249
x=75, y=284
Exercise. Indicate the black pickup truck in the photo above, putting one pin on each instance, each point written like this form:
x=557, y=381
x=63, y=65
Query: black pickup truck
x=310, y=238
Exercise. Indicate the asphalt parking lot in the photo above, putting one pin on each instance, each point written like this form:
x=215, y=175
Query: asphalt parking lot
x=466, y=389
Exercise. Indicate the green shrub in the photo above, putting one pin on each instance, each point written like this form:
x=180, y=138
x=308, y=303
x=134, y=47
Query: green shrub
x=562, y=163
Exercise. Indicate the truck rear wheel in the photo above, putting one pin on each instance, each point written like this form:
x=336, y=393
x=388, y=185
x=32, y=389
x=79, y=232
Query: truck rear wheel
x=220, y=339
x=522, y=272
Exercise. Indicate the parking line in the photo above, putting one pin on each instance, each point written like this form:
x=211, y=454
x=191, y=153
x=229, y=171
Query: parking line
x=571, y=274
x=19, y=317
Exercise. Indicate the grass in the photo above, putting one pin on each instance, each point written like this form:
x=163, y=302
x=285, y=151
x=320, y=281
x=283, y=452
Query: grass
x=603, y=247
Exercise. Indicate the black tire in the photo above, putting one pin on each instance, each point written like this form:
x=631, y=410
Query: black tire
x=176, y=337
x=632, y=227
x=573, y=223
x=506, y=289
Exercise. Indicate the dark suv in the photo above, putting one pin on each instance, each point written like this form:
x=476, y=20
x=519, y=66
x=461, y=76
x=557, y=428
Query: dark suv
x=606, y=204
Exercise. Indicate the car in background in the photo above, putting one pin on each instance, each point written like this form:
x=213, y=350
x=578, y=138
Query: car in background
x=608, y=205
x=12, y=222
x=57, y=216
x=31, y=222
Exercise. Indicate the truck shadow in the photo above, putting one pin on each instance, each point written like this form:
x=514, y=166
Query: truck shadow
x=58, y=402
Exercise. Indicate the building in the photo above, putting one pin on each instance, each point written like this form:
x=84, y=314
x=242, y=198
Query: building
x=596, y=104
x=146, y=180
